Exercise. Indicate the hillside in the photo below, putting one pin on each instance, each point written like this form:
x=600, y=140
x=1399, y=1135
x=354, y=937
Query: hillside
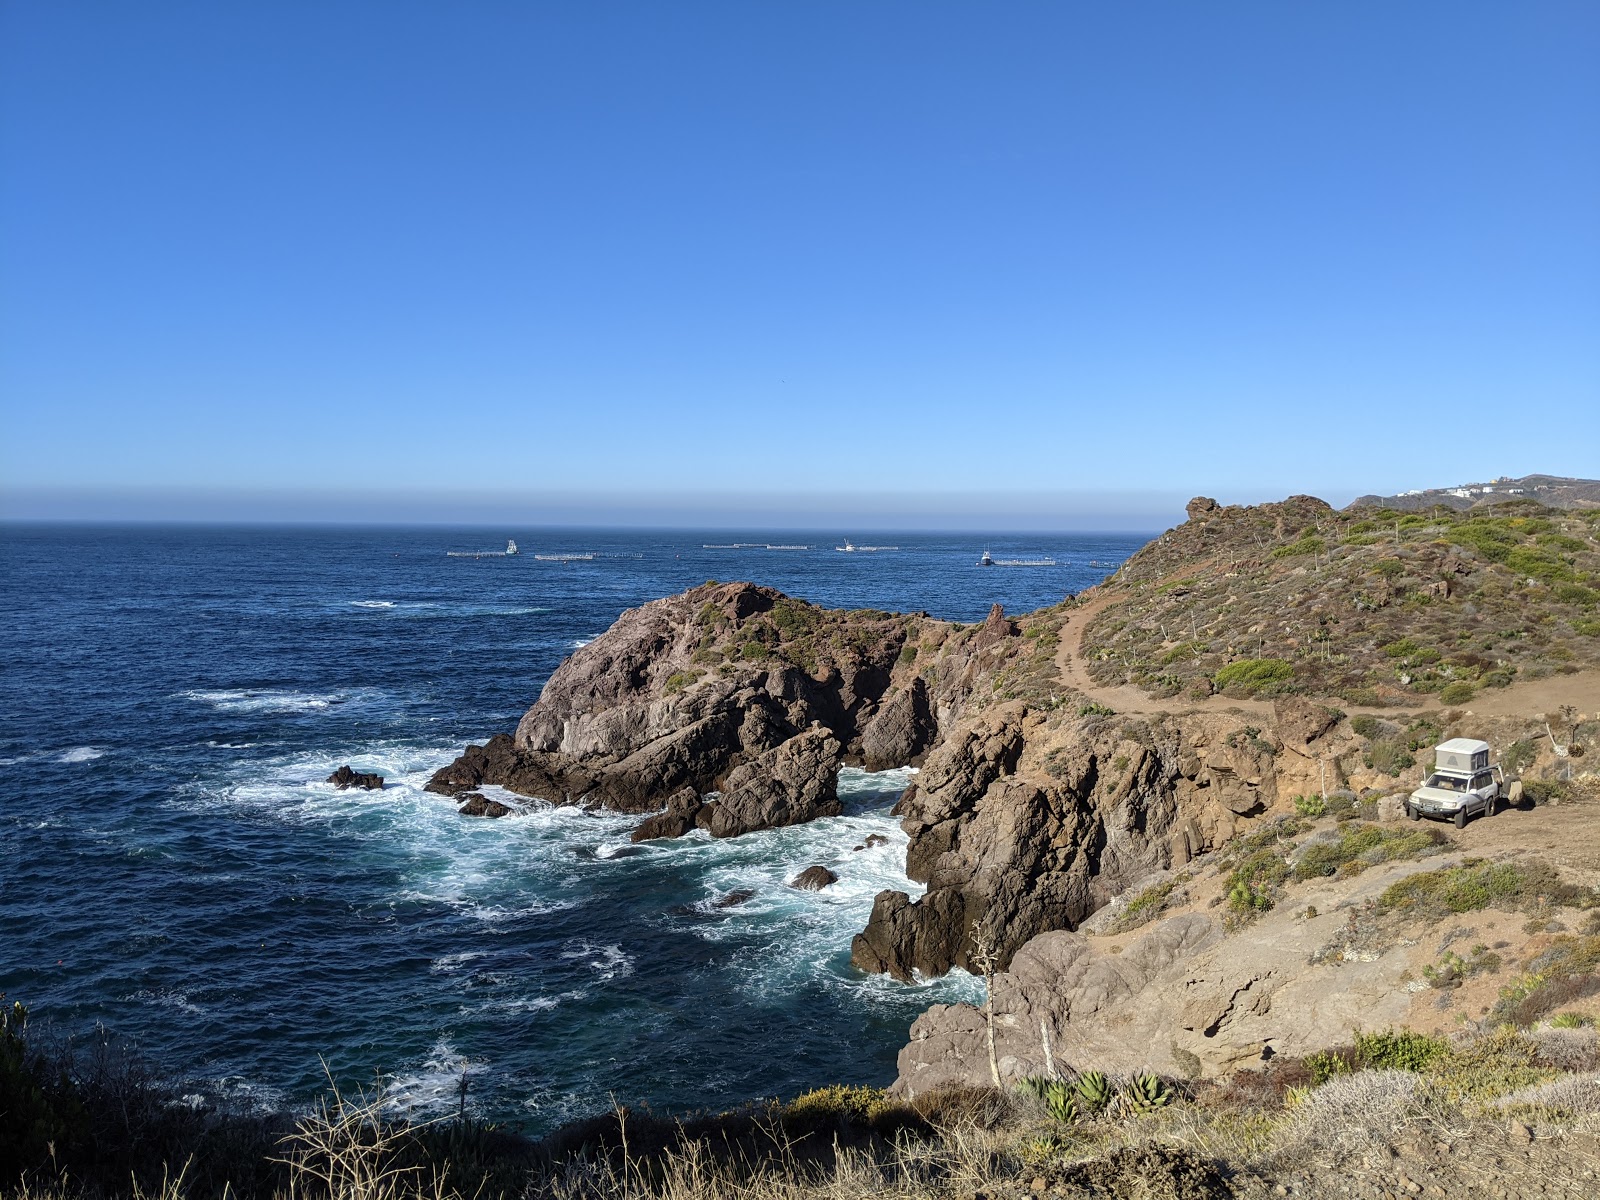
x=1372, y=607
x=1553, y=491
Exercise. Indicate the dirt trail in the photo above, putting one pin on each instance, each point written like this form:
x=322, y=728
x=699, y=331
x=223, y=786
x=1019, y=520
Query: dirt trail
x=1581, y=691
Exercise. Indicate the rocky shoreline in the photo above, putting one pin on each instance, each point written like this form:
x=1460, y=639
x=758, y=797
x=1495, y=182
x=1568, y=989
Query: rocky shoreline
x=731, y=707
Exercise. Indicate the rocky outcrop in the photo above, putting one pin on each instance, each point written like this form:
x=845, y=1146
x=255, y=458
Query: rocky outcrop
x=728, y=688
x=1184, y=999
x=478, y=805
x=345, y=777
x=683, y=809
x=814, y=879
x=1023, y=822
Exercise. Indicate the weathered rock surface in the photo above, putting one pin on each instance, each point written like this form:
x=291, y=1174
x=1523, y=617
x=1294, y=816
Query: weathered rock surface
x=344, y=778
x=814, y=879
x=1022, y=823
x=1184, y=998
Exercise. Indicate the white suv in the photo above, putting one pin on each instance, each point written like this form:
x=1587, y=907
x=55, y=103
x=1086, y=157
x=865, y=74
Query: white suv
x=1457, y=796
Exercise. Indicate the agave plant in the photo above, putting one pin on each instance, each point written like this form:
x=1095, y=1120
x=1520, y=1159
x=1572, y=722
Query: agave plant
x=1035, y=1085
x=1146, y=1093
x=1061, y=1103
x=1094, y=1090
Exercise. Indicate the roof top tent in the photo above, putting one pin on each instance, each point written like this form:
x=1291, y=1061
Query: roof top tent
x=1461, y=756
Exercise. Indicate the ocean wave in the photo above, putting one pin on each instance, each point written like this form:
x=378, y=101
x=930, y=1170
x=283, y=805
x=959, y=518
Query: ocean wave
x=435, y=1085
x=163, y=998
x=68, y=757
x=607, y=962
x=266, y=700
x=81, y=754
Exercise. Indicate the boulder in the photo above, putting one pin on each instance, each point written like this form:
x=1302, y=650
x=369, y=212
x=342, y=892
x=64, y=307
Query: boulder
x=734, y=899
x=683, y=807
x=873, y=839
x=479, y=805
x=814, y=879
x=344, y=778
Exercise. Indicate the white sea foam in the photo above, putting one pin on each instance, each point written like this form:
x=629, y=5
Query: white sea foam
x=373, y=603
x=607, y=962
x=434, y=1085
x=266, y=700
x=163, y=998
x=81, y=754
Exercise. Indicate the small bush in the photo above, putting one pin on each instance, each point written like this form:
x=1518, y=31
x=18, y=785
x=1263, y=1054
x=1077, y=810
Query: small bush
x=1253, y=883
x=1310, y=806
x=1366, y=726
x=1513, y=886
x=1399, y=1050
x=1366, y=844
x=1251, y=674
x=1458, y=692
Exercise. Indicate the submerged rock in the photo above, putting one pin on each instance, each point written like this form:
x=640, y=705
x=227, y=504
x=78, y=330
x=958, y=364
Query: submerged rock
x=734, y=899
x=344, y=778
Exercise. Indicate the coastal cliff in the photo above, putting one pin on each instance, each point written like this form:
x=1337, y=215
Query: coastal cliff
x=1246, y=657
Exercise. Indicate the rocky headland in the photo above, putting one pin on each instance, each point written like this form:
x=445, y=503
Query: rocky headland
x=1243, y=662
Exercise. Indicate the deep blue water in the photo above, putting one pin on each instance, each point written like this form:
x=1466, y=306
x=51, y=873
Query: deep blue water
x=171, y=863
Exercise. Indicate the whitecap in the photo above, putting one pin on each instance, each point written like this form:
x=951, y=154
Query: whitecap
x=265, y=700
x=163, y=998
x=373, y=603
x=607, y=962
x=434, y=1085
x=81, y=754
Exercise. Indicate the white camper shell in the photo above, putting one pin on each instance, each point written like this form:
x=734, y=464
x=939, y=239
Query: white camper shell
x=1463, y=782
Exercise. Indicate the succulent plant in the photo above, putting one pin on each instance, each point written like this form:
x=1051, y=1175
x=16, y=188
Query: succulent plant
x=1061, y=1103
x=1035, y=1085
x=1146, y=1093
x=1094, y=1090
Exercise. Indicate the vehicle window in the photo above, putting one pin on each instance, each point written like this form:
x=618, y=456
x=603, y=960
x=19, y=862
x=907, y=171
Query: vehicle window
x=1479, y=782
x=1448, y=783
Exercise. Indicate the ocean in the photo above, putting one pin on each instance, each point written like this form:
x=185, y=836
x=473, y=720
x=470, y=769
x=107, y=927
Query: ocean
x=173, y=866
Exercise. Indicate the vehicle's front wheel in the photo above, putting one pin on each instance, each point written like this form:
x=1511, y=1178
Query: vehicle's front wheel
x=1461, y=818
x=1411, y=812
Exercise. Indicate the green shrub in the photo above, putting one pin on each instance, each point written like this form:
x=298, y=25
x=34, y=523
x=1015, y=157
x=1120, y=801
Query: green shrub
x=753, y=652
x=1542, y=791
x=1571, y=1020
x=1399, y=1050
x=1252, y=884
x=1144, y=1094
x=1096, y=710
x=1458, y=692
x=1252, y=674
x=1389, y=756
x=1572, y=593
x=1501, y=1062
x=679, y=680
x=1365, y=844
x=1365, y=726
x=1310, y=806
x=1311, y=544
x=1512, y=886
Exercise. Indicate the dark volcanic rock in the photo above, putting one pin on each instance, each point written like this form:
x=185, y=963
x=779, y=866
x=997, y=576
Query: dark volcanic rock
x=479, y=805
x=814, y=879
x=734, y=899
x=873, y=839
x=344, y=777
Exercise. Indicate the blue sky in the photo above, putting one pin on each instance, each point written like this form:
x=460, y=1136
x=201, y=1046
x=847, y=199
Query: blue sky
x=1065, y=260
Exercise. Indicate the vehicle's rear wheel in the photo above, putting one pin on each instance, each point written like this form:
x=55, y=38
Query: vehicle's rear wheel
x=1461, y=818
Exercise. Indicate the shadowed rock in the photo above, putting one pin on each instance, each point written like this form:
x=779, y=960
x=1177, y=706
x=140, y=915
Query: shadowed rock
x=344, y=778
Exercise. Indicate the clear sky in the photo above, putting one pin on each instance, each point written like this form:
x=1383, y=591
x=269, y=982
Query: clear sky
x=318, y=257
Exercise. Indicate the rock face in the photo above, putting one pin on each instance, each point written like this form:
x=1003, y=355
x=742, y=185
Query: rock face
x=1021, y=823
x=814, y=879
x=1183, y=999
x=728, y=688
x=344, y=778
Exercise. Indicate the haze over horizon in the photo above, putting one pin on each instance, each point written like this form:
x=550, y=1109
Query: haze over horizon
x=897, y=266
